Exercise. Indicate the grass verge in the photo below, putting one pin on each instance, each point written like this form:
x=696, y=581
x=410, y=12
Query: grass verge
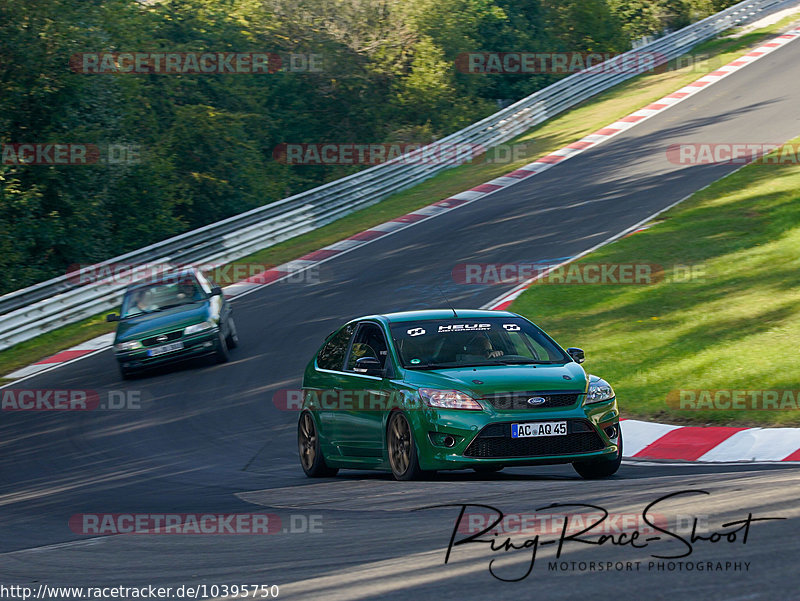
x=725, y=327
x=556, y=133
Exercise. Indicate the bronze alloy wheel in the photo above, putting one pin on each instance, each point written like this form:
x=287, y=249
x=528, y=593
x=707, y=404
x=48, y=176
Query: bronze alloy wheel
x=307, y=441
x=399, y=444
x=311, y=458
x=402, y=450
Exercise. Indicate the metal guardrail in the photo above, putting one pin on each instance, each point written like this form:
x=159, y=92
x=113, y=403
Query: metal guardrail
x=32, y=311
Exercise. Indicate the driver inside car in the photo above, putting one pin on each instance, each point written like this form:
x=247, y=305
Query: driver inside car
x=188, y=290
x=481, y=344
x=143, y=302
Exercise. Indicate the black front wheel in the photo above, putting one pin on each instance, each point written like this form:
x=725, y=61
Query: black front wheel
x=232, y=339
x=221, y=354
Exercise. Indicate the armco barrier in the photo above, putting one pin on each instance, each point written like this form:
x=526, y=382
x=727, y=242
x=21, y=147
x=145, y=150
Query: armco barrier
x=46, y=306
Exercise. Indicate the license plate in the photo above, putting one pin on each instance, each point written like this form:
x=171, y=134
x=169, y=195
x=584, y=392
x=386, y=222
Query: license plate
x=167, y=348
x=538, y=429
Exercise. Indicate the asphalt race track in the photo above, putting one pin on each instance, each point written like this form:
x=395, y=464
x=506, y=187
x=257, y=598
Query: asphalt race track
x=208, y=438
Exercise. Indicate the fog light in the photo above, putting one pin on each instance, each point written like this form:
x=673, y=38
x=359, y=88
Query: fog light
x=440, y=439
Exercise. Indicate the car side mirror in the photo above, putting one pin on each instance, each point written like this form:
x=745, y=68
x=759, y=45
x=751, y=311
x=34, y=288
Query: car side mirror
x=112, y=317
x=576, y=354
x=216, y=291
x=369, y=366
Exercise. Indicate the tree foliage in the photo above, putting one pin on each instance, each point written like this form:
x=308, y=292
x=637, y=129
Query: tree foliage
x=387, y=74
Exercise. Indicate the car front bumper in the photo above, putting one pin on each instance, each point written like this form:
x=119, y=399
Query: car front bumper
x=484, y=437
x=198, y=345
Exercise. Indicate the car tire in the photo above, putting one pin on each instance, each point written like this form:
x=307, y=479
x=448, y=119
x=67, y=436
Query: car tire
x=124, y=373
x=402, y=449
x=311, y=459
x=594, y=470
x=221, y=354
x=232, y=339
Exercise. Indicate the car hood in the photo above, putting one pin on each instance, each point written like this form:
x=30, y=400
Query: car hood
x=144, y=326
x=481, y=381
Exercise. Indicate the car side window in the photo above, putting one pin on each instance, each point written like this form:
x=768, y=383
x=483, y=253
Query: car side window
x=369, y=342
x=331, y=355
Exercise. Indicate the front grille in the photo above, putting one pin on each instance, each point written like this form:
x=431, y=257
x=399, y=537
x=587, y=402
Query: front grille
x=153, y=340
x=514, y=401
x=495, y=441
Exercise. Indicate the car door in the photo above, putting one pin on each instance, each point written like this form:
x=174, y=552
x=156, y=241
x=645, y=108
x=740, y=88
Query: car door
x=328, y=382
x=364, y=408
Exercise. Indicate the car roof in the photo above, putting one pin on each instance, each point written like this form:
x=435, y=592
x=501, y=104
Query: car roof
x=434, y=314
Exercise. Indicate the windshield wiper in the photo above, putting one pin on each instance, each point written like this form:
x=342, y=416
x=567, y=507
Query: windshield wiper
x=521, y=362
x=485, y=364
x=449, y=365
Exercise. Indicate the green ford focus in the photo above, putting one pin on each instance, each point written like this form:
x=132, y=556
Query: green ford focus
x=422, y=391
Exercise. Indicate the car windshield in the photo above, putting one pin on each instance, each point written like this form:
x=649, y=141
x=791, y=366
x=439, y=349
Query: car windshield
x=160, y=296
x=473, y=342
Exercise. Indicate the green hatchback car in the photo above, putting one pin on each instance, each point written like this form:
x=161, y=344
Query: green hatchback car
x=421, y=391
x=173, y=317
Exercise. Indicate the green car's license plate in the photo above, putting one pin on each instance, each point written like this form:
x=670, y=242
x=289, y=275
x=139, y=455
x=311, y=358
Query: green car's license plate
x=167, y=348
x=538, y=429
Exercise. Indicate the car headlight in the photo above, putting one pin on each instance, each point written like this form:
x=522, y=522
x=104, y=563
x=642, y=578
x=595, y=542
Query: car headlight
x=449, y=399
x=199, y=327
x=599, y=390
x=128, y=346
